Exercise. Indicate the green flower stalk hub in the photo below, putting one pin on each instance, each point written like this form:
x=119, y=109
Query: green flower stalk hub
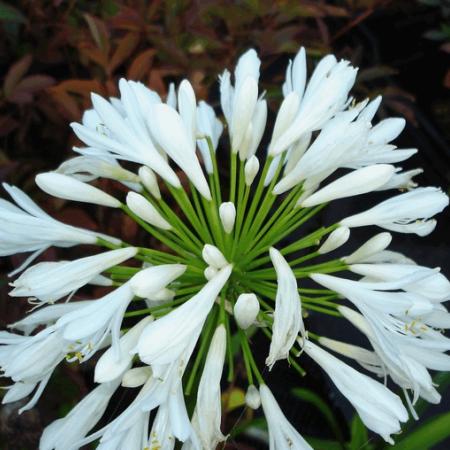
x=231, y=265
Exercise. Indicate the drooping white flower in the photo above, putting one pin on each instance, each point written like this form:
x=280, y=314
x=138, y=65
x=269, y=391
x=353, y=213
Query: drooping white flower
x=69, y=188
x=161, y=436
x=63, y=433
x=170, y=132
x=393, y=323
x=29, y=361
x=28, y=228
x=50, y=283
x=282, y=435
x=380, y=409
x=246, y=310
x=88, y=327
x=140, y=206
x=164, y=340
x=402, y=180
x=46, y=316
x=109, y=367
x=405, y=213
x=227, y=214
x=287, y=317
x=336, y=238
x=208, y=125
x=88, y=168
x=207, y=415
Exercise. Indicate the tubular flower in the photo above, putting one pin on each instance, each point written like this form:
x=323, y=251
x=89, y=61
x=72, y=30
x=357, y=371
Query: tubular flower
x=235, y=257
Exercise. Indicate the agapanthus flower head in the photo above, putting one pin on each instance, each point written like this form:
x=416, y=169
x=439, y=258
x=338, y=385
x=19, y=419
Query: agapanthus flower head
x=234, y=257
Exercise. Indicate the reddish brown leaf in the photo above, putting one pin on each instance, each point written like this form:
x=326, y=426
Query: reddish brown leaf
x=124, y=50
x=7, y=124
x=81, y=87
x=15, y=74
x=141, y=65
x=26, y=88
x=99, y=32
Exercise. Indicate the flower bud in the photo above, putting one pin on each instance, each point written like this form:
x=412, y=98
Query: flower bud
x=246, y=310
x=337, y=238
x=227, y=213
x=136, y=377
x=210, y=273
x=148, y=179
x=140, y=206
x=148, y=282
x=213, y=257
x=251, y=169
x=252, y=397
x=375, y=244
x=68, y=188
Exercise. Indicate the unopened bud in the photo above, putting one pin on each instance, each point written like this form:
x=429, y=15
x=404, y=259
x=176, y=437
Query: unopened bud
x=246, y=310
x=213, y=257
x=148, y=179
x=252, y=397
x=337, y=238
x=227, y=213
x=140, y=206
x=210, y=273
x=251, y=170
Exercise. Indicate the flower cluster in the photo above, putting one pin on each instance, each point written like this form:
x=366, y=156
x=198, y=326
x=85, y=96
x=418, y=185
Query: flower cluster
x=233, y=259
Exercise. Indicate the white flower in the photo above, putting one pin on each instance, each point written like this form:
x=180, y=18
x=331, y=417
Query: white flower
x=109, y=367
x=208, y=125
x=358, y=182
x=325, y=95
x=89, y=168
x=287, y=317
x=89, y=326
x=140, y=206
x=207, y=415
x=69, y=188
x=46, y=316
x=28, y=228
x=282, y=435
x=392, y=322
x=227, y=213
x=239, y=103
x=50, y=283
x=246, y=310
x=169, y=131
x=149, y=282
x=405, y=213
x=164, y=340
x=30, y=361
x=62, y=434
x=161, y=436
x=126, y=137
x=402, y=180
x=380, y=409
x=336, y=238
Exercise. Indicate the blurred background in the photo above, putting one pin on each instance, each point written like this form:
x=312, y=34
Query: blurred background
x=54, y=53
